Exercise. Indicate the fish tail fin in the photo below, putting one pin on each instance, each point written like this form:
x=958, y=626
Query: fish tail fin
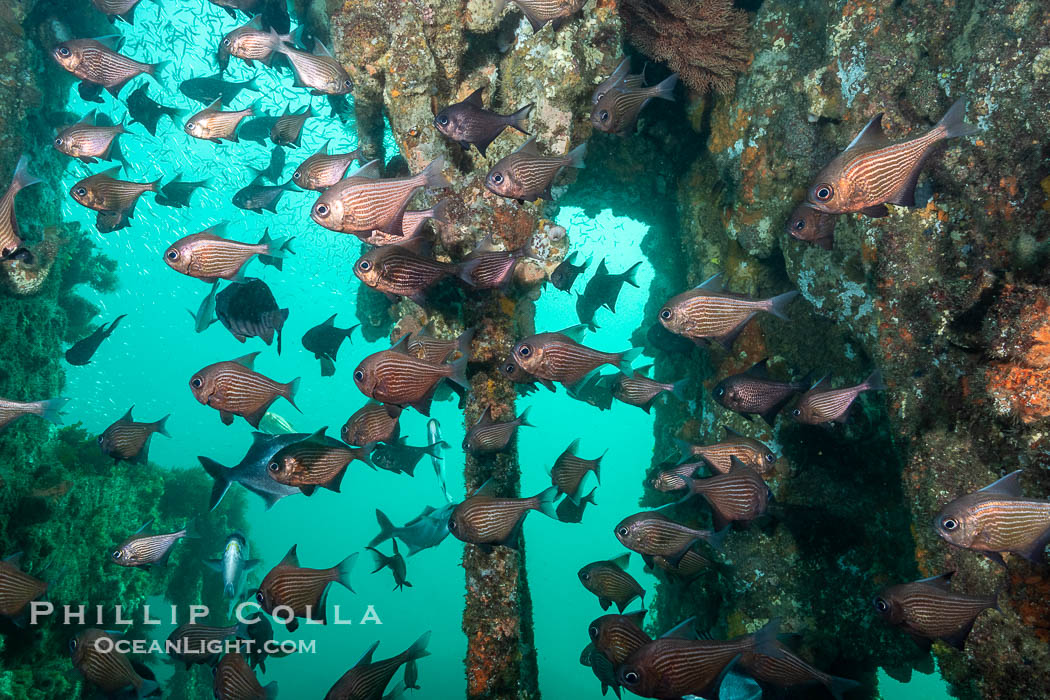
x=665, y=89
x=517, y=120
x=386, y=529
x=154, y=186
x=381, y=560
x=52, y=410
x=838, y=686
x=626, y=358
x=222, y=482
x=464, y=340
x=161, y=426
x=874, y=381
x=397, y=692
x=630, y=275
x=277, y=250
x=678, y=390
x=545, y=502
x=765, y=639
x=432, y=177
x=252, y=85
x=716, y=539
x=524, y=418
x=778, y=304
x=190, y=530
x=459, y=372
x=147, y=688
x=290, y=389
x=156, y=69
x=954, y=121
x=270, y=691
x=439, y=212
x=576, y=156
x=419, y=648
x=343, y=569
x=22, y=178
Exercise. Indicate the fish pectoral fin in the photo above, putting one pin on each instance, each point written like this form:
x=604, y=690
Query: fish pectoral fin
x=226, y=417
x=876, y=212
x=958, y=639
x=727, y=340
x=996, y=557
x=604, y=602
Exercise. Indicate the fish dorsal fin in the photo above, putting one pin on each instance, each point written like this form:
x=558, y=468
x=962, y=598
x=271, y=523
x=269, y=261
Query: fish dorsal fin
x=370, y=170
x=427, y=510
x=401, y=346
x=487, y=245
x=683, y=630
x=529, y=147
x=622, y=561
x=111, y=41
x=870, y=135
x=822, y=384
x=214, y=106
x=218, y=230
x=323, y=150
x=712, y=283
x=247, y=361
x=14, y=560
x=145, y=527
x=759, y=370
x=127, y=416
x=291, y=558
x=111, y=173
x=730, y=433
x=474, y=98
x=643, y=371
x=572, y=448
x=487, y=489
x=1009, y=485
x=941, y=581
x=318, y=436
x=320, y=49
x=89, y=118
x=486, y=417
x=576, y=332
x=258, y=438
x=637, y=617
x=366, y=658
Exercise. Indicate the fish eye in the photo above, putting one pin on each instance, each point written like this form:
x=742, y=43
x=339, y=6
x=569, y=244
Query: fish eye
x=881, y=605
x=823, y=192
x=274, y=467
x=197, y=382
x=720, y=392
x=226, y=41
x=63, y=51
x=348, y=83
x=770, y=457
x=452, y=524
x=259, y=597
x=172, y=254
x=497, y=178
x=584, y=576
x=100, y=439
x=593, y=631
x=443, y=120
x=797, y=412
x=630, y=677
x=73, y=644
x=365, y=265
x=321, y=210
x=604, y=115
x=665, y=314
x=799, y=225
x=80, y=191
x=524, y=350
x=296, y=175
x=118, y=554
x=949, y=524
x=359, y=376
x=58, y=142
x=509, y=369
x=623, y=531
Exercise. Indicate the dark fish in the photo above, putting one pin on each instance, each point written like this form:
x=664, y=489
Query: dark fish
x=401, y=458
x=610, y=581
x=707, y=313
x=205, y=316
x=208, y=256
x=720, y=455
x=688, y=568
x=92, y=92
x=321, y=170
x=427, y=346
x=340, y=108
x=234, y=680
x=17, y=588
x=596, y=390
x=110, y=221
x=177, y=193
x=83, y=350
x=368, y=679
x=213, y=124
x=525, y=175
x=399, y=271
x=287, y=131
x=652, y=534
x=602, y=290
x=997, y=519
x=485, y=519
x=274, y=170
x=812, y=226
x=318, y=71
x=618, y=636
x=822, y=404
x=928, y=610
x=620, y=78
x=316, y=461
x=258, y=197
x=674, y=478
x=105, y=667
x=234, y=565
x=125, y=9
x=323, y=341
x=364, y=202
x=426, y=530
x=396, y=564
x=251, y=43
x=468, y=122
x=257, y=129
x=372, y=423
x=540, y=12
x=128, y=440
x=190, y=641
x=49, y=409
x=302, y=591
x=245, y=6
x=570, y=512
x=487, y=436
x=253, y=470
x=103, y=192
x=737, y=496
x=233, y=388
x=214, y=89
x=247, y=309
x=873, y=172
x=567, y=271
x=557, y=357
x=603, y=669
x=143, y=110
x=144, y=549
x=488, y=267
x=617, y=110
x=754, y=393
x=394, y=376
x=639, y=390
x=95, y=62
x=89, y=142
x=569, y=469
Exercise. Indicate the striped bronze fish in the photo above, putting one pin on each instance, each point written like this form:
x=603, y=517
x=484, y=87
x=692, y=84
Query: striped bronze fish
x=619, y=636
x=213, y=124
x=87, y=141
x=322, y=170
x=603, y=669
x=740, y=495
x=427, y=346
x=10, y=235
x=48, y=409
x=102, y=665
x=190, y=642
x=364, y=202
x=17, y=588
x=399, y=271
x=675, y=665
x=822, y=404
x=487, y=436
x=812, y=226
x=488, y=267
x=639, y=390
x=234, y=388
x=486, y=519
x=720, y=455
x=235, y=680
x=997, y=519
x=786, y=670
x=209, y=256
x=318, y=71
x=316, y=461
x=103, y=192
x=128, y=440
x=373, y=422
x=708, y=313
x=411, y=225
x=650, y=533
x=468, y=122
x=394, y=376
x=873, y=172
x=691, y=565
x=94, y=62
x=144, y=549
x=617, y=110
x=526, y=176
x=125, y=9
x=557, y=357
x=610, y=581
x=620, y=78
x=369, y=679
x=287, y=131
x=251, y=43
x=540, y=12
x=569, y=469
x=303, y=591
x=754, y=393
x=928, y=609
x=674, y=478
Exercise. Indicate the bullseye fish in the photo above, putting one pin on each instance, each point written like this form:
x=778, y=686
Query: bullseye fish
x=373, y=422
x=10, y=235
x=617, y=110
x=822, y=404
x=105, y=667
x=128, y=440
x=558, y=357
x=610, y=581
x=104, y=192
x=486, y=519
x=754, y=392
x=928, y=610
x=734, y=446
x=288, y=129
x=811, y=225
x=526, y=175
x=369, y=679
x=468, y=122
x=318, y=71
x=88, y=141
x=49, y=409
x=233, y=388
x=488, y=435
x=235, y=679
x=322, y=170
x=541, y=12
x=302, y=590
x=97, y=63
x=399, y=271
x=209, y=256
x=739, y=495
x=145, y=549
x=213, y=124
x=397, y=377
x=17, y=588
